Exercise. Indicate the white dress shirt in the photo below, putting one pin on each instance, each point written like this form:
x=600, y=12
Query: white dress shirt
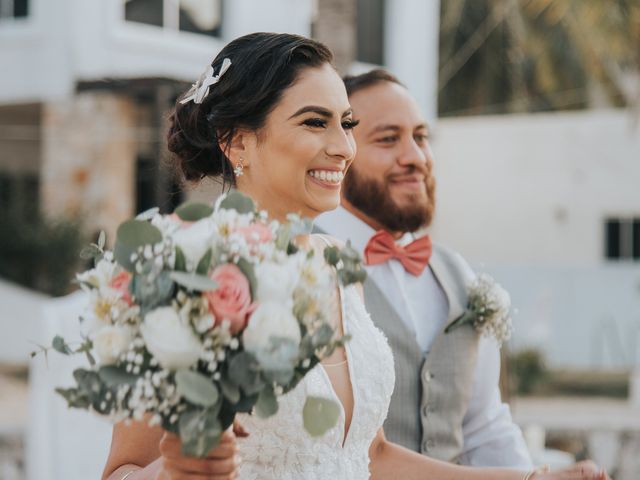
x=490, y=437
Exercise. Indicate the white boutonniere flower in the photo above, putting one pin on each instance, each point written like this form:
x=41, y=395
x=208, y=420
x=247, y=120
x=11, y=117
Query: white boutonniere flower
x=488, y=310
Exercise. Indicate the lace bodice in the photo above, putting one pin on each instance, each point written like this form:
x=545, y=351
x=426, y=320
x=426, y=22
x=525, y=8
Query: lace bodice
x=280, y=448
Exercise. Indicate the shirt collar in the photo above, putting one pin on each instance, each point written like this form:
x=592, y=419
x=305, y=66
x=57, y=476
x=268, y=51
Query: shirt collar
x=344, y=225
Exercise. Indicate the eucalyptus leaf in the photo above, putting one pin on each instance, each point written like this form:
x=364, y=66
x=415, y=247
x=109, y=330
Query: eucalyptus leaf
x=192, y=281
x=132, y=235
x=180, y=264
x=230, y=390
x=204, y=265
x=332, y=255
x=283, y=237
x=114, y=376
x=59, y=345
x=152, y=290
x=238, y=202
x=247, y=269
x=320, y=415
x=196, y=388
x=267, y=404
x=192, y=212
x=322, y=336
x=90, y=252
x=245, y=371
x=74, y=398
x=89, y=383
x=199, y=431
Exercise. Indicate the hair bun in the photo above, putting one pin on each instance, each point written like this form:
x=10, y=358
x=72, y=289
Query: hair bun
x=196, y=156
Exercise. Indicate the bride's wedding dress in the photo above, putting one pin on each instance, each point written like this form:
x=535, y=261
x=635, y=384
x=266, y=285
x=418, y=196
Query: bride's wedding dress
x=280, y=448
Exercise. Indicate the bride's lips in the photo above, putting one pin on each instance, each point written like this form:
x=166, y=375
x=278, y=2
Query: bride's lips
x=330, y=178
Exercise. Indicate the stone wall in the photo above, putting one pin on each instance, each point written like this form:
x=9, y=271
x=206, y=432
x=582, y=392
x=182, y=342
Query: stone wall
x=88, y=159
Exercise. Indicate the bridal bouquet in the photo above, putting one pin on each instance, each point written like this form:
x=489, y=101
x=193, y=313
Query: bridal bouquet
x=198, y=315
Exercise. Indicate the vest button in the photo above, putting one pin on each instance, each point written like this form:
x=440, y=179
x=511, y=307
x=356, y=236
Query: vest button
x=427, y=375
x=428, y=445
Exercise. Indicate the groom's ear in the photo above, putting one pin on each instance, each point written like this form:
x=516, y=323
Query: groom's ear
x=239, y=146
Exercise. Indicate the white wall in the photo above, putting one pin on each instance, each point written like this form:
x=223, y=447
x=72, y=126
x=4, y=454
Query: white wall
x=20, y=321
x=411, y=49
x=535, y=189
x=66, y=41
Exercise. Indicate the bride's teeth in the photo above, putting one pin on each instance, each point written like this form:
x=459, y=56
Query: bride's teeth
x=327, y=176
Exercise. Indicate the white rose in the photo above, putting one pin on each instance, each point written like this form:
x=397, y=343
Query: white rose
x=194, y=241
x=110, y=342
x=169, y=340
x=271, y=319
x=276, y=282
x=100, y=276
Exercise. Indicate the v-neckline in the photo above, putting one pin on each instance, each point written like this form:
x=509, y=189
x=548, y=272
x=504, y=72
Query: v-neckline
x=346, y=429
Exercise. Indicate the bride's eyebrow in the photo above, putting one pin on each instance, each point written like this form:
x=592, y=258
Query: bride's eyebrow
x=323, y=112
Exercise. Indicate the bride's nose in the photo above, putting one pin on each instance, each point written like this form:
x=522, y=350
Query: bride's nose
x=340, y=144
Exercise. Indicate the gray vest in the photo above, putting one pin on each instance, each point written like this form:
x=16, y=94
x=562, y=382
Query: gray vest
x=431, y=393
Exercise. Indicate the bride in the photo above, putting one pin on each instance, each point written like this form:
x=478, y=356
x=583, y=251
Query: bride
x=273, y=118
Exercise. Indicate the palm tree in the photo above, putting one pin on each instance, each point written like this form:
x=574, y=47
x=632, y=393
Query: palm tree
x=500, y=56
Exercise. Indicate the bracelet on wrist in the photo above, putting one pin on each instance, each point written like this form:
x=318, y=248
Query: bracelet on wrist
x=530, y=475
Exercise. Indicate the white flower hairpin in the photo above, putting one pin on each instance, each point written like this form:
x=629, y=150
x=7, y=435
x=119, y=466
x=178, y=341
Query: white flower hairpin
x=200, y=89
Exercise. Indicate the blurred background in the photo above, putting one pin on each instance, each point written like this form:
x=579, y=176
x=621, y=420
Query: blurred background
x=534, y=107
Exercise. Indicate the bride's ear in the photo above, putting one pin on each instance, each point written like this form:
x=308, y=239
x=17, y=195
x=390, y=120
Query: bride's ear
x=238, y=147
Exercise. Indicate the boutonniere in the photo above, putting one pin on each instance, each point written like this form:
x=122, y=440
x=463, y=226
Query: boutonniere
x=488, y=310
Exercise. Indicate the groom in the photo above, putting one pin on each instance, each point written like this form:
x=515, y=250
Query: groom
x=446, y=402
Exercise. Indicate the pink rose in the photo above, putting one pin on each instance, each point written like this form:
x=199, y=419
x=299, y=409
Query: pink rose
x=232, y=299
x=121, y=283
x=256, y=233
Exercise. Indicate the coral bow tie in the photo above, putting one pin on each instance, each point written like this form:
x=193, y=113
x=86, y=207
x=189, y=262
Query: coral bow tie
x=413, y=257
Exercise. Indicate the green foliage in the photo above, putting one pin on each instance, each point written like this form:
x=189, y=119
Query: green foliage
x=132, y=235
x=529, y=56
x=40, y=254
x=192, y=281
x=152, y=290
x=204, y=264
x=200, y=431
x=59, y=345
x=196, y=388
x=238, y=202
x=192, y=212
x=528, y=370
x=319, y=415
x=267, y=404
x=245, y=371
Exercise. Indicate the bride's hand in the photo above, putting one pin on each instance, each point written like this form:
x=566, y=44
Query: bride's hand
x=580, y=471
x=221, y=463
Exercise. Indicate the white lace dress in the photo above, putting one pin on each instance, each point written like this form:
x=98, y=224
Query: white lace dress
x=280, y=448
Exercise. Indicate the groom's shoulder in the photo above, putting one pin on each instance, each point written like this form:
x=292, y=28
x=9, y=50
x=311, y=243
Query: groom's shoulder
x=453, y=261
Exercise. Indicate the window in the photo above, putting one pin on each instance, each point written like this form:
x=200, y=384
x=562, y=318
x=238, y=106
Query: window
x=195, y=16
x=622, y=238
x=156, y=187
x=14, y=8
x=20, y=194
x=370, y=37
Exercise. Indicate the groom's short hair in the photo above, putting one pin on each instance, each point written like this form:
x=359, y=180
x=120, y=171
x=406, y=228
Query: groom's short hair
x=353, y=83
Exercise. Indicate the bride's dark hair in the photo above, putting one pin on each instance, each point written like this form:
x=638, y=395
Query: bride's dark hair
x=263, y=66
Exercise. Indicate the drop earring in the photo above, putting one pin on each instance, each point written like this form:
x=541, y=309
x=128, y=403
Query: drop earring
x=238, y=171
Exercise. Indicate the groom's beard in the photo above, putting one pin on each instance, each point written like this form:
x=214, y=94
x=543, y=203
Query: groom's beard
x=374, y=199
